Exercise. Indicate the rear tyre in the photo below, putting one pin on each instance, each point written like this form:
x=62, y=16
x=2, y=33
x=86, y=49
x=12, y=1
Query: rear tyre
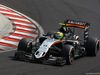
x=25, y=45
x=92, y=46
x=68, y=54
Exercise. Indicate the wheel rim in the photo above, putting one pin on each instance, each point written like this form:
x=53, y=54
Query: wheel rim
x=71, y=57
x=97, y=47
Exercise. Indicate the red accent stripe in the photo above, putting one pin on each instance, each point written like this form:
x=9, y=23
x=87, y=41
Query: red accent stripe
x=26, y=31
x=11, y=39
x=21, y=21
x=6, y=10
x=9, y=45
x=25, y=36
x=1, y=49
x=75, y=25
x=11, y=15
x=25, y=26
x=11, y=33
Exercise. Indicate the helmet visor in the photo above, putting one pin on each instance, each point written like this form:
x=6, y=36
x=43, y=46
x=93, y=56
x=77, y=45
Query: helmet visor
x=58, y=36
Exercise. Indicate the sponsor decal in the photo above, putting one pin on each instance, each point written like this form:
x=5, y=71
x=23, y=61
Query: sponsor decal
x=77, y=22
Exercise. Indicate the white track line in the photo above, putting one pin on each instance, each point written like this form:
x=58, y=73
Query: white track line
x=24, y=24
x=3, y=47
x=4, y=12
x=27, y=34
x=10, y=42
x=16, y=37
x=26, y=29
x=18, y=18
x=3, y=8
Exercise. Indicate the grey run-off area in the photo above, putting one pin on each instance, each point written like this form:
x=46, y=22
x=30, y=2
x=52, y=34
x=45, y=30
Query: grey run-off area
x=5, y=26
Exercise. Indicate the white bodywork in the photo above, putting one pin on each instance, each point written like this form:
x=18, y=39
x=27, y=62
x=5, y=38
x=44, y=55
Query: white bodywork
x=43, y=49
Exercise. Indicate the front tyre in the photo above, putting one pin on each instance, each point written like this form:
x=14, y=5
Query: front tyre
x=68, y=54
x=92, y=46
x=25, y=45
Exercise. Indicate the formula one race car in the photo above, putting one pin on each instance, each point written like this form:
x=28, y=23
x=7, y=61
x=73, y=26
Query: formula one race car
x=61, y=47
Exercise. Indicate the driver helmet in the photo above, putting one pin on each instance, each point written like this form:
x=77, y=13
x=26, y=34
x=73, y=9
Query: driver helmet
x=59, y=35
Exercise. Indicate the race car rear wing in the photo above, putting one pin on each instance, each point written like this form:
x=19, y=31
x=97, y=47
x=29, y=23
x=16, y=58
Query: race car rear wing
x=74, y=23
x=78, y=24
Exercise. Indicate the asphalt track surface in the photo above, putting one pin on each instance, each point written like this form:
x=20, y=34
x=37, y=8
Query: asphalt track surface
x=48, y=13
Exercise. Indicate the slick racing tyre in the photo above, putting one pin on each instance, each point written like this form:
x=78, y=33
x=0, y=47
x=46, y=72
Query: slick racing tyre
x=92, y=46
x=25, y=45
x=68, y=54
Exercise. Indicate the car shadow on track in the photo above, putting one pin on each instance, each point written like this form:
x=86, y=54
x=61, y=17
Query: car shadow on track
x=50, y=63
